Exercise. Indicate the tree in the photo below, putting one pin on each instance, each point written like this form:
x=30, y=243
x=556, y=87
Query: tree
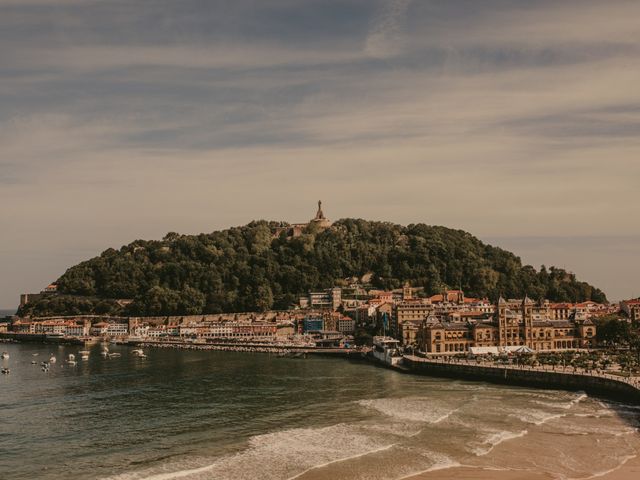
x=249, y=268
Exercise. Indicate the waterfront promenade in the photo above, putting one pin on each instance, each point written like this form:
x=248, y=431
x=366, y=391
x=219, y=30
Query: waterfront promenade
x=591, y=381
x=281, y=349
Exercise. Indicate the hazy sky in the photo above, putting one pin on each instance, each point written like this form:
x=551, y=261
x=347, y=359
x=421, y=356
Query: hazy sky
x=517, y=120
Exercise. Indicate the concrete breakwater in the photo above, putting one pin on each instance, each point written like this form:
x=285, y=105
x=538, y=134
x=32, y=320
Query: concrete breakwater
x=627, y=390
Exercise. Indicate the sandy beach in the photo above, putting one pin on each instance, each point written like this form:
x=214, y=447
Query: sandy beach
x=630, y=470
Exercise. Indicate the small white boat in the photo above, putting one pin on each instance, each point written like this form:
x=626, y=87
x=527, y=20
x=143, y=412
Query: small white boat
x=138, y=352
x=72, y=363
x=114, y=355
x=387, y=350
x=52, y=359
x=35, y=354
x=6, y=371
x=33, y=362
x=71, y=357
x=5, y=355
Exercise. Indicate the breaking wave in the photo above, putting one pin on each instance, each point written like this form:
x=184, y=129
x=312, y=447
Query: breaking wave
x=491, y=440
x=284, y=454
x=413, y=409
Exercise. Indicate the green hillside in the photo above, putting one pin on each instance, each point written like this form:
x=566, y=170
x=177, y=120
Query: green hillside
x=249, y=269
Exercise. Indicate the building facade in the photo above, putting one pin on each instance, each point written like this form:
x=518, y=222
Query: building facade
x=514, y=325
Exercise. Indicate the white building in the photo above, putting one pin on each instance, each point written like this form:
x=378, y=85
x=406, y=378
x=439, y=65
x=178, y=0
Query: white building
x=118, y=329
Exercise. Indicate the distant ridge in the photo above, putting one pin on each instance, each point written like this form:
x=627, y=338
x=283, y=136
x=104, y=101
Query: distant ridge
x=266, y=265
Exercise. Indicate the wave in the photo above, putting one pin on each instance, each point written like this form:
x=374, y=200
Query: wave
x=607, y=472
x=442, y=463
x=494, y=439
x=535, y=417
x=564, y=406
x=403, y=429
x=413, y=409
x=284, y=454
x=597, y=414
x=387, y=447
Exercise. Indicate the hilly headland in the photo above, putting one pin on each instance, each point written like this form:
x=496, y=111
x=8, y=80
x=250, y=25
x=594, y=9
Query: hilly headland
x=266, y=265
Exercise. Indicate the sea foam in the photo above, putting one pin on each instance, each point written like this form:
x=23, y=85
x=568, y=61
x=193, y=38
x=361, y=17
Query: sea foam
x=413, y=409
x=493, y=439
x=284, y=454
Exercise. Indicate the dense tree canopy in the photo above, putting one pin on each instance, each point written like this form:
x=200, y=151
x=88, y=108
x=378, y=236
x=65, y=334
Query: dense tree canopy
x=248, y=269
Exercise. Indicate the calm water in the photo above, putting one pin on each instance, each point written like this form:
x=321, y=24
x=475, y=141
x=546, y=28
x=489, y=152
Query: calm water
x=216, y=415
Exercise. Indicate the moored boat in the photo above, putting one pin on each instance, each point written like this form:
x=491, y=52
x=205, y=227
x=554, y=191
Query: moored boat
x=386, y=350
x=5, y=355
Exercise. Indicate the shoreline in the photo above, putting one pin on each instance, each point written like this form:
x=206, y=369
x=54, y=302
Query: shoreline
x=627, y=470
x=492, y=466
x=602, y=385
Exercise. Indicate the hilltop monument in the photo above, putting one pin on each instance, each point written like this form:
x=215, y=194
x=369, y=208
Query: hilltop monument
x=296, y=229
x=320, y=219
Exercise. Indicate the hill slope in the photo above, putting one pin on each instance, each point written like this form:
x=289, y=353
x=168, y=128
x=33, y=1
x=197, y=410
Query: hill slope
x=247, y=269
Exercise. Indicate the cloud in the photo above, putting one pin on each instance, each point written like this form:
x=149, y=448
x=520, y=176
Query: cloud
x=385, y=36
x=502, y=118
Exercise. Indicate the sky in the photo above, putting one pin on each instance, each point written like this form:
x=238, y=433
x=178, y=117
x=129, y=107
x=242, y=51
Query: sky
x=516, y=120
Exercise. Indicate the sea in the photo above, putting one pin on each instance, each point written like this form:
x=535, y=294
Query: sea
x=184, y=414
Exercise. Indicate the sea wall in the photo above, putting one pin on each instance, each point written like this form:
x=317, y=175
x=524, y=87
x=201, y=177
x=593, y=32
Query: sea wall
x=591, y=384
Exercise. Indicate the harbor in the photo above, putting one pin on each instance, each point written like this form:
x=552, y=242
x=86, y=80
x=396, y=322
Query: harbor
x=388, y=352
x=305, y=413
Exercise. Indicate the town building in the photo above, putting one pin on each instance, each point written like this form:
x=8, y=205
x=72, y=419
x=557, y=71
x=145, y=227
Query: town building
x=631, y=308
x=514, y=325
x=312, y=323
x=330, y=298
x=117, y=329
x=49, y=290
x=408, y=310
x=99, y=329
x=346, y=326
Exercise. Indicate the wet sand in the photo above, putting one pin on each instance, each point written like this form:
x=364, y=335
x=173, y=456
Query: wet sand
x=628, y=471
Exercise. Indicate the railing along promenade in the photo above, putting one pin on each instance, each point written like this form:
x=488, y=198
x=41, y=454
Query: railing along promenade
x=591, y=381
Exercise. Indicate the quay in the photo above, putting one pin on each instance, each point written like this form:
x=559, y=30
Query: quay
x=293, y=350
x=605, y=385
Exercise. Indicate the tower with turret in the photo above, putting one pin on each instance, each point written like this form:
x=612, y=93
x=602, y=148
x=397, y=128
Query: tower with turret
x=527, y=320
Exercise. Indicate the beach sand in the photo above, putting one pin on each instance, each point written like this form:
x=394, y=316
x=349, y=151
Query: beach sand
x=629, y=471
